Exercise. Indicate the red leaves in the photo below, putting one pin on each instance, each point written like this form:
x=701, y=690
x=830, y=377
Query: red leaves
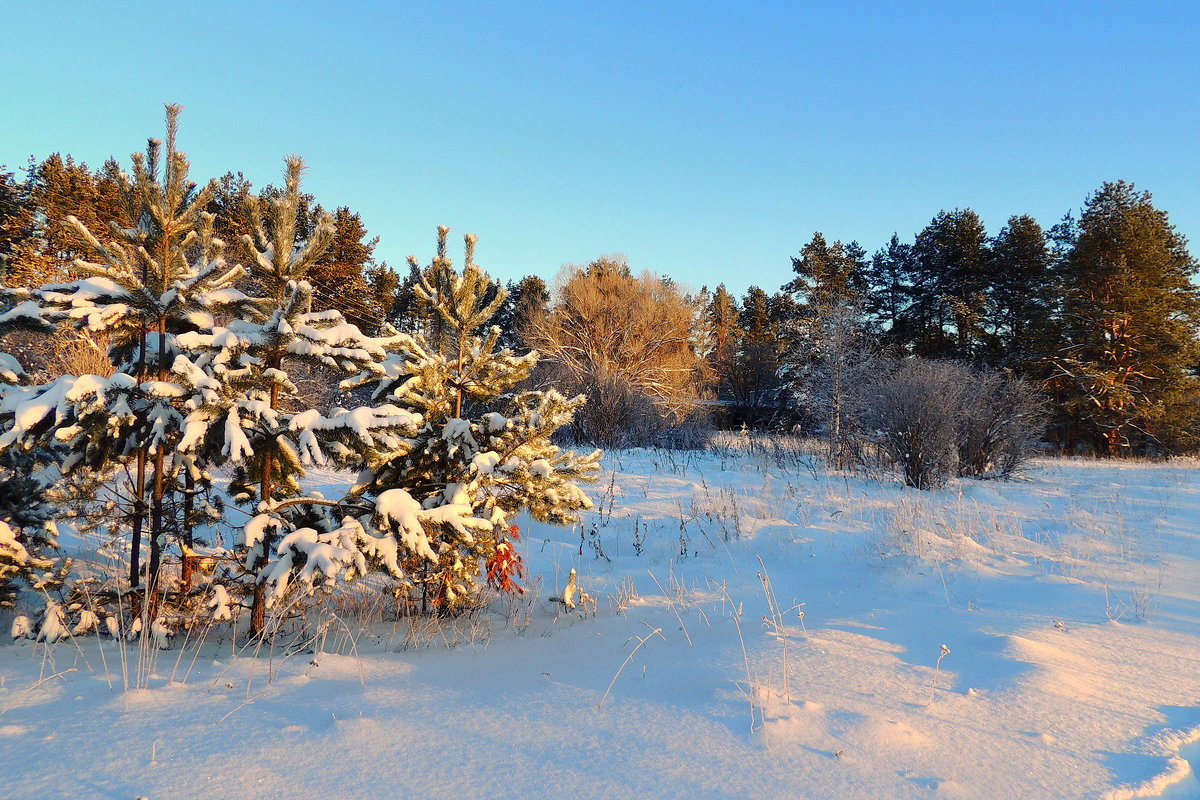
x=505, y=568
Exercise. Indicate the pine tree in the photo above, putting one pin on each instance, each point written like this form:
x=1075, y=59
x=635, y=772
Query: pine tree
x=246, y=414
x=950, y=287
x=528, y=300
x=29, y=555
x=887, y=281
x=721, y=319
x=1022, y=292
x=436, y=513
x=754, y=380
x=823, y=337
x=339, y=276
x=230, y=198
x=1129, y=319
x=161, y=274
x=827, y=274
x=407, y=312
x=16, y=215
x=384, y=286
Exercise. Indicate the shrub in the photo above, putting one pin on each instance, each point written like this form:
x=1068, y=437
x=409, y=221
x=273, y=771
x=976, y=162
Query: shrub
x=1000, y=420
x=935, y=419
x=627, y=343
x=911, y=410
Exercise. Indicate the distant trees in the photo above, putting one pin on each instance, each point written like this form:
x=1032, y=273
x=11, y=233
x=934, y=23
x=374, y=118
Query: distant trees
x=723, y=335
x=340, y=277
x=1101, y=313
x=753, y=376
x=41, y=247
x=526, y=303
x=14, y=220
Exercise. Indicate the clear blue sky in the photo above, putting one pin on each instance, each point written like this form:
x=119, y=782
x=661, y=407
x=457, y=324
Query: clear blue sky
x=706, y=141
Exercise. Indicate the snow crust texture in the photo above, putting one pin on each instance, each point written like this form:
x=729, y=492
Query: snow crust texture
x=761, y=630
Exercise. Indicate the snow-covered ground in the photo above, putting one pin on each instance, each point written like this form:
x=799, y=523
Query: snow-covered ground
x=760, y=630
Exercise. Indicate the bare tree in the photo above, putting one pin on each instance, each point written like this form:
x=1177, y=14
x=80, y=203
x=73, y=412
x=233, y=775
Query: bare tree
x=624, y=341
x=824, y=369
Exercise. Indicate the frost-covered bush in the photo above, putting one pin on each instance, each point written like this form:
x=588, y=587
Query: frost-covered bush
x=937, y=419
x=910, y=409
x=1000, y=421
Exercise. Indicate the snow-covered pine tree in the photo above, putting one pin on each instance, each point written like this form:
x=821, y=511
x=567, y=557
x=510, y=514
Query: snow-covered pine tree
x=162, y=273
x=437, y=512
x=254, y=419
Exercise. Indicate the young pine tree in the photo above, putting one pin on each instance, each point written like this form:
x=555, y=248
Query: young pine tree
x=159, y=274
x=251, y=418
x=482, y=451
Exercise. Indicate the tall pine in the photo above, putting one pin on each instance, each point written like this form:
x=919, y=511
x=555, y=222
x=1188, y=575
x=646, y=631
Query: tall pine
x=1125, y=374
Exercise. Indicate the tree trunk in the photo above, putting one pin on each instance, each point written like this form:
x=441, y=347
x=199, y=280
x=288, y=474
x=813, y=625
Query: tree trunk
x=139, y=518
x=139, y=502
x=157, y=532
x=189, y=510
x=258, y=609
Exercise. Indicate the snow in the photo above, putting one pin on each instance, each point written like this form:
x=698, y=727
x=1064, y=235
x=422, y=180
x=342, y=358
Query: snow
x=10, y=548
x=496, y=423
x=54, y=624
x=11, y=370
x=398, y=512
x=219, y=603
x=237, y=446
x=88, y=622
x=323, y=559
x=458, y=432
x=485, y=463
x=21, y=627
x=369, y=424
x=33, y=405
x=27, y=310
x=760, y=631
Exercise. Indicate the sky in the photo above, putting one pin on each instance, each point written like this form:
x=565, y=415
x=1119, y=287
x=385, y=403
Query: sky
x=704, y=141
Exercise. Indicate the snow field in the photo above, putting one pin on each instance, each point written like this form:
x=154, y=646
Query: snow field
x=761, y=629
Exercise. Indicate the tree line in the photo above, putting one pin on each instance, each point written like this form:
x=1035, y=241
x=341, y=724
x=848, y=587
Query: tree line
x=170, y=349
x=1099, y=312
